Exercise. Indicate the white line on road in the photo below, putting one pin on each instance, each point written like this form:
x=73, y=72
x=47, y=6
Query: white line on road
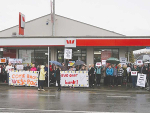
x=42, y=110
x=119, y=96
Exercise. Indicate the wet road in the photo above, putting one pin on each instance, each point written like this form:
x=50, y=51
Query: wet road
x=69, y=101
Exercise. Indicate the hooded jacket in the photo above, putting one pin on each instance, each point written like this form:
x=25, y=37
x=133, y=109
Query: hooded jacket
x=109, y=71
x=42, y=73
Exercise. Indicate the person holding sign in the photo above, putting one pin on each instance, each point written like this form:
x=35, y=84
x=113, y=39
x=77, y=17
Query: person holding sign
x=41, y=78
x=134, y=73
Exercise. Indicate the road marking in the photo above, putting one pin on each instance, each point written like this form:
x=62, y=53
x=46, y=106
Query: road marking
x=119, y=96
x=42, y=110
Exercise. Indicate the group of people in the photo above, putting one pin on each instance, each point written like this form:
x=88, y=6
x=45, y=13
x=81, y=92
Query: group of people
x=114, y=75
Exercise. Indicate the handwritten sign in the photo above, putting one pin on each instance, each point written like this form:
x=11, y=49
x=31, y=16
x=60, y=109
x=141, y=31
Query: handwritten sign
x=141, y=80
x=74, y=78
x=133, y=73
x=103, y=62
x=24, y=78
x=15, y=61
x=68, y=54
x=71, y=63
x=98, y=64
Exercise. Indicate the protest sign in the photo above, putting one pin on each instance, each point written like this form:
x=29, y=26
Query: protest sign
x=15, y=61
x=68, y=54
x=141, y=80
x=74, y=78
x=2, y=60
x=98, y=64
x=103, y=62
x=71, y=63
x=139, y=62
x=23, y=78
x=133, y=73
x=19, y=67
x=123, y=60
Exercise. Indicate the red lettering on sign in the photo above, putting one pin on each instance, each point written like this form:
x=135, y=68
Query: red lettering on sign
x=71, y=82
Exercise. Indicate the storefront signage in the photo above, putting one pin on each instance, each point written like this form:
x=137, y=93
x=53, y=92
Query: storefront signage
x=15, y=61
x=24, y=78
x=139, y=62
x=2, y=60
x=68, y=54
x=141, y=80
x=123, y=60
x=74, y=78
x=71, y=63
x=70, y=42
x=133, y=73
x=98, y=64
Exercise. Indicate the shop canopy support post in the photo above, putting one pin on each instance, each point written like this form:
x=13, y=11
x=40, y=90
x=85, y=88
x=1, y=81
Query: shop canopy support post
x=48, y=66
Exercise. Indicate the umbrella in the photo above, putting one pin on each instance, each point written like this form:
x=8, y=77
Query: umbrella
x=113, y=60
x=144, y=57
x=147, y=62
x=79, y=62
x=56, y=63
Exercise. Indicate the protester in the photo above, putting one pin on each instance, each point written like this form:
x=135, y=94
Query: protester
x=9, y=68
x=129, y=79
x=58, y=78
x=98, y=71
x=148, y=78
x=119, y=75
x=91, y=76
x=83, y=68
x=41, y=78
x=27, y=67
x=63, y=67
x=114, y=74
x=33, y=68
x=125, y=74
x=4, y=74
x=54, y=74
x=109, y=74
x=134, y=77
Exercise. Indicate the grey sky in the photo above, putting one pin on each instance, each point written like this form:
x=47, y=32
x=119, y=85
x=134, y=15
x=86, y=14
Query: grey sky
x=128, y=17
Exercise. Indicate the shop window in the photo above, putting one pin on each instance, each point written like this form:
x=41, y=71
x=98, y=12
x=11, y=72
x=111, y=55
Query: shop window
x=104, y=54
x=77, y=54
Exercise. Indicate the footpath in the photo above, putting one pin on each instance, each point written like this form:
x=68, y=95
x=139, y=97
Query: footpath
x=116, y=89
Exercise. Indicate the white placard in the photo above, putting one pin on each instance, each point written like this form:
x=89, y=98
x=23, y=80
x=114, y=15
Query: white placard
x=103, y=62
x=24, y=78
x=68, y=54
x=133, y=73
x=19, y=67
x=74, y=78
x=15, y=61
x=0, y=70
x=98, y=64
x=123, y=60
x=141, y=80
x=139, y=62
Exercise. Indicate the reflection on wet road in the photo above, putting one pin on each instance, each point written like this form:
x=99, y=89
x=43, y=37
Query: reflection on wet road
x=31, y=100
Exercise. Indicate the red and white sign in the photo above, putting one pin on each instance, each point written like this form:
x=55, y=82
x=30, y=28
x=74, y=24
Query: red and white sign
x=133, y=73
x=21, y=23
x=139, y=62
x=103, y=62
x=98, y=64
x=70, y=42
x=15, y=61
x=74, y=78
x=2, y=60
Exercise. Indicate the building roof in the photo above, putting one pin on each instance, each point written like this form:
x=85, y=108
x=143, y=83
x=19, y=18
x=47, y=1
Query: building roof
x=69, y=19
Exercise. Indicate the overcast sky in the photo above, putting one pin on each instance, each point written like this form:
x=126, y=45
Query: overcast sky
x=127, y=17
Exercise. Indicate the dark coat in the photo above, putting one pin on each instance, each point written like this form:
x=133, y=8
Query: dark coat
x=91, y=71
x=57, y=74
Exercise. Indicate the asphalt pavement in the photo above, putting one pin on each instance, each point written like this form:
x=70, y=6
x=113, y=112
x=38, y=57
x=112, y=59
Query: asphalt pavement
x=78, y=100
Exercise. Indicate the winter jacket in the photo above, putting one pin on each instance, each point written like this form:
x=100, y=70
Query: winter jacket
x=42, y=73
x=58, y=74
x=115, y=71
x=109, y=71
x=120, y=72
x=33, y=69
x=8, y=68
x=91, y=71
x=98, y=70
